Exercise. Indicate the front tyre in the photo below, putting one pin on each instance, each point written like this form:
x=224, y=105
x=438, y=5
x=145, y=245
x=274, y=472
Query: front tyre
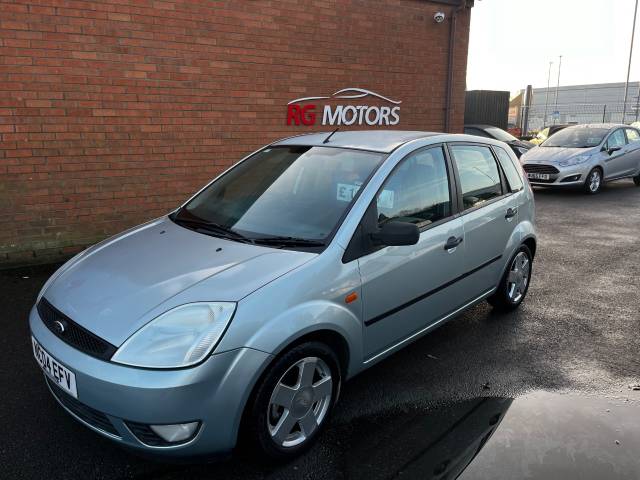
x=515, y=282
x=293, y=401
x=636, y=180
x=593, y=183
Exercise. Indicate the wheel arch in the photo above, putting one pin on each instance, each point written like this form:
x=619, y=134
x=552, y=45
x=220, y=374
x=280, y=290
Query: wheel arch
x=524, y=234
x=597, y=166
x=531, y=244
x=331, y=338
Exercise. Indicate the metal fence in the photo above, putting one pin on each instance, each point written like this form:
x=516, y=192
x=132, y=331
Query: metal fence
x=576, y=113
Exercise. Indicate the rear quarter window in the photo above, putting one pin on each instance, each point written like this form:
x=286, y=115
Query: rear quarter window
x=510, y=170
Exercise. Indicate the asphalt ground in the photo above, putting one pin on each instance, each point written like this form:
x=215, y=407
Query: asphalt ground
x=577, y=332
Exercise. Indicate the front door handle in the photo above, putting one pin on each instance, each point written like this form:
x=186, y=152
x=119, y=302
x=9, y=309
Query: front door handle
x=452, y=242
x=511, y=212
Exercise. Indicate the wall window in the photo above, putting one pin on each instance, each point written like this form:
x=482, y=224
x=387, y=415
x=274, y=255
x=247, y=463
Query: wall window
x=417, y=191
x=509, y=169
x=479, y=175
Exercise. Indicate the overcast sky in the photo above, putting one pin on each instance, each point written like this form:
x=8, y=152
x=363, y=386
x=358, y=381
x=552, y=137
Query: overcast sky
x=513, y=41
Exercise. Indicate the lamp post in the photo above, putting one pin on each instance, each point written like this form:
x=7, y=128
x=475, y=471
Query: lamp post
x=558, y=84
x=546, y=102
x=638, y=103
x=626, y=85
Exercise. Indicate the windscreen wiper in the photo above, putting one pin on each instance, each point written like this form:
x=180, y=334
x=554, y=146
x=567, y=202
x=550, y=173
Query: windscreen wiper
x=288, y=242
x=215, y=228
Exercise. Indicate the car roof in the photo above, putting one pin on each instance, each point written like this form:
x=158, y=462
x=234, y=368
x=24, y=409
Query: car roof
x=383, y=141
x=608, y=126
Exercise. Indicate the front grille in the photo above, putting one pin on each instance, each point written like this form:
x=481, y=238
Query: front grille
x=537, y=180
x=85, y=413
x=72, y=333
x=535, y=168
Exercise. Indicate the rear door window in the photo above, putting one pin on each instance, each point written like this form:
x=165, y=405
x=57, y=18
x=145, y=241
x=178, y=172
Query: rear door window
x=632, y=135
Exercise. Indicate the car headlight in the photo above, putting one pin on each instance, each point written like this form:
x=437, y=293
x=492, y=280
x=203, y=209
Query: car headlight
x=180, y=337
x=574, y=160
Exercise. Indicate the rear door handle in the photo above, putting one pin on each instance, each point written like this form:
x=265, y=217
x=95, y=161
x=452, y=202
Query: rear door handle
x=452, y=242
x=511, y=212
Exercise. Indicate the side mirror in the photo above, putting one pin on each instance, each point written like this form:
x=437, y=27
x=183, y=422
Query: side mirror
x=396, y=233
x=610, y=150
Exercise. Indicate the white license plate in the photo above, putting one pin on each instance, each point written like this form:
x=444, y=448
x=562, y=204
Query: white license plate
x=538, y=176
x=63, y=377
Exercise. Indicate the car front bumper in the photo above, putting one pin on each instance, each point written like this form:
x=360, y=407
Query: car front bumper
x=213, y=393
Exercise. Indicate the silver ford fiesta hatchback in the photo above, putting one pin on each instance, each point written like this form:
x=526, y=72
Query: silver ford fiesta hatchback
x=585, y=156
x=240, y=314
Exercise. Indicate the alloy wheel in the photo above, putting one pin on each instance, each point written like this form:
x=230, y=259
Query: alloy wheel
x=594, y=181
x=299, y=402
x=518, y=277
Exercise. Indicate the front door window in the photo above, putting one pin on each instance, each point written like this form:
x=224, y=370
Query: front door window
x=417, y=191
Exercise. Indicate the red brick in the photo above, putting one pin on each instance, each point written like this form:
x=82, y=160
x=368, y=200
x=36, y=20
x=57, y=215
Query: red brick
x=85, y=55
x=11, y=25
x=163, y=5
x=104, y=112
x=21, y=152
x=38, y=103
x=120, y=17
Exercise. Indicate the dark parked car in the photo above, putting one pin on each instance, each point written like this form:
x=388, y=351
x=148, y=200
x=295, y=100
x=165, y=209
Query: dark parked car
x=489, y=131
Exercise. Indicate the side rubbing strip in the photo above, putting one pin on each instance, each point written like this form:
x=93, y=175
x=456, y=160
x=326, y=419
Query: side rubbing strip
x=388, y=313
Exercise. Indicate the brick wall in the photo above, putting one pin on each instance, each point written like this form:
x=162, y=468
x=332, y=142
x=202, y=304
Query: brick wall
x=113, y=112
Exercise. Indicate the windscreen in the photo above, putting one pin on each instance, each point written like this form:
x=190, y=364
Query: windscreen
x=576, y=138
x=500, y=134
x=299, y=192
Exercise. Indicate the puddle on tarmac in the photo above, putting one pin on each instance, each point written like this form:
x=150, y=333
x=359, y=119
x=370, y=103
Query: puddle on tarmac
x=537, y=436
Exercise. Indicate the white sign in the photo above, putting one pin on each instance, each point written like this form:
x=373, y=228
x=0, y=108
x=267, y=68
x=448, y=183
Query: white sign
x=301, y=112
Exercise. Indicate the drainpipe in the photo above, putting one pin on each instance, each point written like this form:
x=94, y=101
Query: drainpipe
x=449, y=93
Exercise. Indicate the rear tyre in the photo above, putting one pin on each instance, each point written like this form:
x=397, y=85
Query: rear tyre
x=515, y=283
x=593, y=183
x=636, y=180
x=293, y=402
